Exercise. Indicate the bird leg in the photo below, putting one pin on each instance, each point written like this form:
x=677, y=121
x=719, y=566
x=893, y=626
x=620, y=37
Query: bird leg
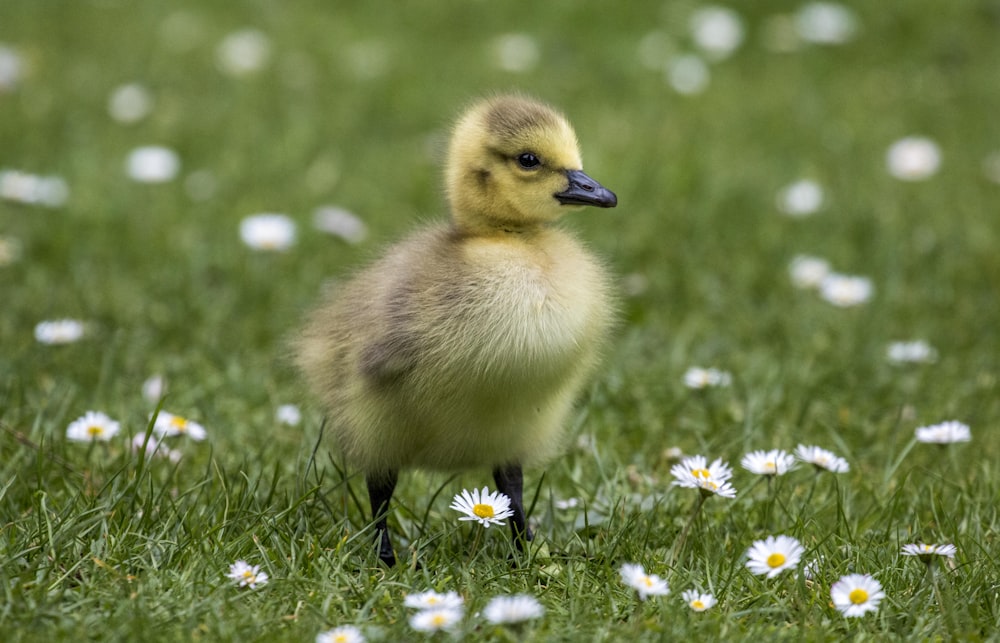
x=380, y=488
x=510, y=482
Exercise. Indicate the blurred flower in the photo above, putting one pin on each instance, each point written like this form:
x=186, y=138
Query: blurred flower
x=10, y=251
x=11, y=68
x=513, y=609
x=288, y=414
x=700, y=378
x=801, y=198
x=718, y=31
x=33, y=189
x=635, y=577
x=856, y=594
x=484, y=507
x=991, y=167
x=130, y=103
x=694, y=472
x=247, y=575
x=59, y=331
x=368, y=59
x=808, y=272
x=432, y=600
x=94, y=426
x=913, y=158
x=926, y=553
x=243, y=52
x=516, y=52
x=688, y=74
x=152, y=164
x=774, y=555
x=822, y=459
x=342, y=634
x=268, y=232
x=340, y=223
x=154, y=388
x=654, y=49
x=154, y=447
x=435, y=620
x=845, y=291
x=825, y=23
x=768, y=463
x=168, y=425
x=569, y=503
x=811, y=569
x=911, y=352
x=780, y=34
x=697, y=601
x=944, y=433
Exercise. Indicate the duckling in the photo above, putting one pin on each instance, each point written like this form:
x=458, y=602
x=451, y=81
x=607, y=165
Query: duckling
x=466, y=344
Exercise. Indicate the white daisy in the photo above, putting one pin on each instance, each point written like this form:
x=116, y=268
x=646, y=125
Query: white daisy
x=927, y=553
x=432, y=600
x=59, y=331
x=32, y=189
x=247, y=575
x=130, y=103
x=435, y=620
x=154, y=388
x=342, y=634
x=712, y=479
x=917, y=351
x=152, y=164
x=513, y=609
x=268, y=231
x=822, y=459
x=717, y=31
x=153, y=447
x=944, y=433
x=811, y=570
x=288, y=414
x=846, y=290
x=808, y=272
x=340, y=223
x=825, y=23
x=701, y=378
x=516, y=52
x=635, y=577
x=94, y=426
x=856, y=594
x=914, y=158
x=688, y=74
x=774, y=555
x=243, y=52
x=168, y=425
x=11, y=68
x=568, y=503
x=801, y=198
x=697, y=601
x=775, y=462
x=484, y=506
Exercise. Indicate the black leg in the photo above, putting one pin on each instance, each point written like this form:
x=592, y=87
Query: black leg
x=510, y=481
x=380, y=488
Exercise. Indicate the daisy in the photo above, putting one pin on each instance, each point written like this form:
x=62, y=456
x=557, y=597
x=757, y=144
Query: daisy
x=944, y=433
x=825, y=23
x=92, y=427
x=808, y=272
x=516, y=52
x=913, y=158
x=340, y=223
x=434, y=620
x=154, y=388
x=695, y=473
x=768, y=463
x=10, y=250
x=130, y=103
x=926, y=553
x=483, y=506
x=59, y=331
x=243, y=52
x=700, y=378
x=717, y=31
x=152, y=164
x=697, y=601
x=688, y=74
x=11, y=68
x=513, y=609
x=810, y=571
x=647, y=585
x=342, y=634
x=247, y=575
x=432, y=600
x=268, y=232
x=856, y=594
x=154, y=447
x=845, y=291
x=288, y=414
x=911, y=352
x=774, y=555
x=168, y=425
x=801, y=198
x=822, y=459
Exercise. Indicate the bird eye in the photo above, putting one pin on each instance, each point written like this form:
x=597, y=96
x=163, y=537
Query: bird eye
x=528, y=161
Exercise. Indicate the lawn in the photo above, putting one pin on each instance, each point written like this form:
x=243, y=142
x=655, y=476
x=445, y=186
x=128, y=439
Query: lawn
x=729, y=161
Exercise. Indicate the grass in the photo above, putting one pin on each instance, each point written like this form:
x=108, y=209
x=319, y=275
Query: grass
x=97, y=543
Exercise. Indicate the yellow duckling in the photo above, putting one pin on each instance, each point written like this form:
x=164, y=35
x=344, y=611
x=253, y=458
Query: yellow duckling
x=467, y=342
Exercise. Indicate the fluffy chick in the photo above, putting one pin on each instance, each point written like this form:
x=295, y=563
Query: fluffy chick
x=466, y=343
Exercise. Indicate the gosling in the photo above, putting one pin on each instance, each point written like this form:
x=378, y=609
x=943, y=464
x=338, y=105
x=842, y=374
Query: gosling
x=466, y=344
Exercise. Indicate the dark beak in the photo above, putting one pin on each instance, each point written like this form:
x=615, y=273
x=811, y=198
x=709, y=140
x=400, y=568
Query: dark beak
x=584, y=190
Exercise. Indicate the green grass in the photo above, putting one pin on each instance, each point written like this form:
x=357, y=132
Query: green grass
x=98, y=544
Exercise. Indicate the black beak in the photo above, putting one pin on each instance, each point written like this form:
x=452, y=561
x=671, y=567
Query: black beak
x=584, y=190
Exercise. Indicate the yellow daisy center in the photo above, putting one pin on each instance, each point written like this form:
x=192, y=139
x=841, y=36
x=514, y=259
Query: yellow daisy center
x=179, y=423
x=483, y=511
x=770, y=466
x=928, y=548
x=248, y=574
x=340, y=638
x=94, y=430
x=438, y=620
x=858, y=596
x=698, y=605
x=777, y=559
x=701, y=473
x=647, y=581
x=432, y=600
